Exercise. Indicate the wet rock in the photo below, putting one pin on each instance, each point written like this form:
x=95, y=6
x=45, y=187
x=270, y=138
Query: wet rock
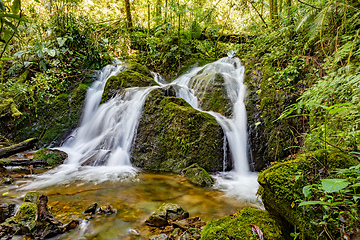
x=211, y=91
x=34, y=219
x=175, y=234
x=51, y=156
x=136, y=76
x=7, y=180
x=107, y=209
x=172, y=136
x=91, y=209
x=6, y=211
x=162, y=236
x=166, y=212
x=198, y=176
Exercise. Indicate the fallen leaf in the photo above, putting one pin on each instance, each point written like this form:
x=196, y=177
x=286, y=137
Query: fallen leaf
x=257, y=232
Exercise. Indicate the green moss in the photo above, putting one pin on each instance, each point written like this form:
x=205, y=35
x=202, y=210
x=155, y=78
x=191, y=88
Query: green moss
x=238, y=226
x=281, y=186
x=137, y=67
x=52, y=157
x=27, y=212
x=126, y=79
x=78, y=97
x=172, y=135
x=32, y=197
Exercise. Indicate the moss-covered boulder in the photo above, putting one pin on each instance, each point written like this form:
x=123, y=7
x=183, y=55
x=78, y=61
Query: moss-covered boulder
x=239, y=226
x=198, y=176
x=281, y=187
x=172, y=136
x=166, y=212
x=51, y=156
x=136, y=75
x=34, y=219
x=211, y=92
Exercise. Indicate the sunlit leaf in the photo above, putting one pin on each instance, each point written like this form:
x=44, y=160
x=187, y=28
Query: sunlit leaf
x=334, y=185
x=307, y=191
x=15, y=6
x=307, y=203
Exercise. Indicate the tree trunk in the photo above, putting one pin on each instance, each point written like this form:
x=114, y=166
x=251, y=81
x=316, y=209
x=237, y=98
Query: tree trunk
x=19, y=147
x=128, y=14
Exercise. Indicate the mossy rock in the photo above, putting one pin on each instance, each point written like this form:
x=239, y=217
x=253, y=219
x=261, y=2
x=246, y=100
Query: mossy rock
x=281, y=187
x=211, y=91
x=166, y=212
x=136, y=76
x=238, y=226
x=172, y=136
x=198, y=176
x=32, y=197
x=52, y=156
x=137, y=67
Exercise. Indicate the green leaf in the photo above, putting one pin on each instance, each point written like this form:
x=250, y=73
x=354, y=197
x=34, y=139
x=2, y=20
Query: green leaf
x=334, y=185
x=307, y=191
x=2, y=6
x=355, y=185
x=61, y=41
x=307, y=203
x=52, y=52
x=15, y=6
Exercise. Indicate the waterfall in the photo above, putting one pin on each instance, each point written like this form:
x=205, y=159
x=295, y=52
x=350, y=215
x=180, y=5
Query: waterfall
x=106, y=131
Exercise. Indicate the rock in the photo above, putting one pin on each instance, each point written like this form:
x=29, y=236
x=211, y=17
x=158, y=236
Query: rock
x=107, y=209
x=91, y=209
x=34, y=219
x=166, y=212
x=238, y=226
x=136, y=76
x=281, y=188
x=6, y=211
x=162, y=236
x=211, y=91
x=198, y=176
x=51, y=156
x=172, y=136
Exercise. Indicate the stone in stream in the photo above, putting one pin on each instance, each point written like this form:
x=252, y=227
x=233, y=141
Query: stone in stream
x=91, y=209
x=198, y=176
x=51, y=156
x=106, y=209
x=173, y=221
x=172, y=135
x=34, y=219
x=166, y=212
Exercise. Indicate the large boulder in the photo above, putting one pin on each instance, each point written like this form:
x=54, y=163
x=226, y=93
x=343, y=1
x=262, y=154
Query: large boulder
x=198, y=176
x=241, y=224
x=281, y=188
x=172, y=136
x=136, y=75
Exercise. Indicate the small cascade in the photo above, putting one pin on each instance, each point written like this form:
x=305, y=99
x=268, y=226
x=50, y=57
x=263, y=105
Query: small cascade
x=99, y=149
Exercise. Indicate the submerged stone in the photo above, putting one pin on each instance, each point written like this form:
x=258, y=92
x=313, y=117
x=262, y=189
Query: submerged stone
x=238, y=226
x=198, y=176
x=172, y=136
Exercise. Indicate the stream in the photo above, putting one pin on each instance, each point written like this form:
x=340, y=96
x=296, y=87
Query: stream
x=99, y=168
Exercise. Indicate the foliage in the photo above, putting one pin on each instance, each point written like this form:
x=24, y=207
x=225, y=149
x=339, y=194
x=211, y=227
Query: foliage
x=338, y=199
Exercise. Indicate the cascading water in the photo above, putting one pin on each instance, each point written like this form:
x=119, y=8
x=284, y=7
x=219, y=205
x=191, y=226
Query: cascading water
x=106, y=132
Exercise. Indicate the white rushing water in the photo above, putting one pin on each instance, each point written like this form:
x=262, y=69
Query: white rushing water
x=99, y=148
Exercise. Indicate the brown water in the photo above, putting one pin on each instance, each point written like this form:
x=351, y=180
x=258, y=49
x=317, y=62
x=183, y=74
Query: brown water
x=135, y=198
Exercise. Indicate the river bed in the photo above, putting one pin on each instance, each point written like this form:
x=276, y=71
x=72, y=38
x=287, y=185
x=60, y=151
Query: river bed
x=134, y=198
